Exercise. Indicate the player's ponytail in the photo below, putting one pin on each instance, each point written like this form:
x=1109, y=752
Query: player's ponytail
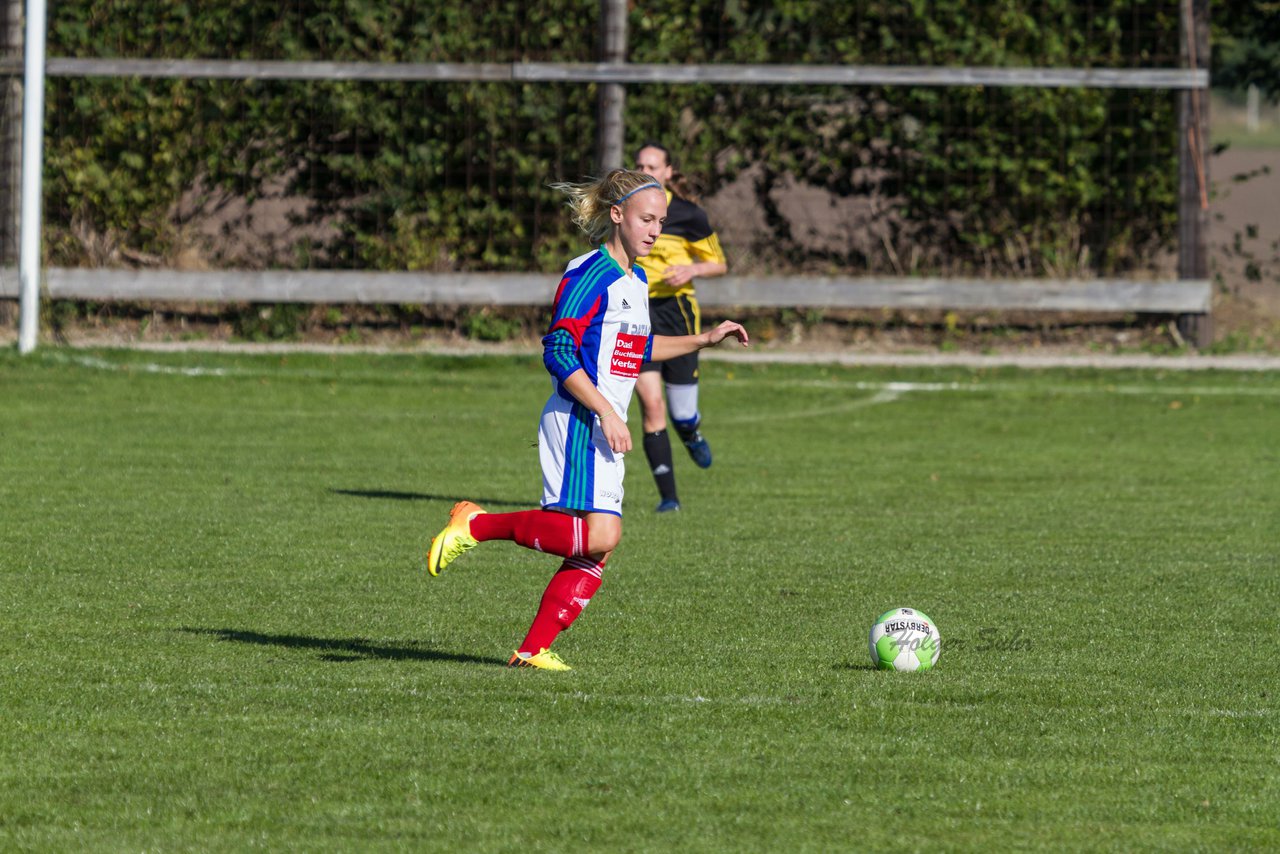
x=590, y=201
x=679, y=183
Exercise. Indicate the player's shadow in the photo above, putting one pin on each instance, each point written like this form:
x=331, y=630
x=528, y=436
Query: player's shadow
x=344, y=649
x=393, y=495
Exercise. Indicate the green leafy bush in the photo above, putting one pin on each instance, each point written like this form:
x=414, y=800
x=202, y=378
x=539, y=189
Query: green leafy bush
x=453, y=176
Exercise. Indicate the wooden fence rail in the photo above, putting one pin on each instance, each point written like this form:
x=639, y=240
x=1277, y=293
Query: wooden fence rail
x=624, y=72
x=1180, y=297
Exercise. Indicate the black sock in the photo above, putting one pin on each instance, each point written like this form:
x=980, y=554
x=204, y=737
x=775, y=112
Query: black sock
x=688, y=431
x=657, y=447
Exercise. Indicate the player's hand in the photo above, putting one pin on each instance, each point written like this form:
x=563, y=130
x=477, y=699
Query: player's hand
x=677, y=274
x=616, y=433
x=726, y=329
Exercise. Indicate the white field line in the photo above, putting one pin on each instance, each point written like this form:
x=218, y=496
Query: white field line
x=883, y=395
x=147, y=367
x=95, y=363
x=886, y=392
x=766, y=700
x=1036, y=388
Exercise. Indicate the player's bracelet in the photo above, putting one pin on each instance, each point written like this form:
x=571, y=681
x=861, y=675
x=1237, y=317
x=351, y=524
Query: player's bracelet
x=603, y=415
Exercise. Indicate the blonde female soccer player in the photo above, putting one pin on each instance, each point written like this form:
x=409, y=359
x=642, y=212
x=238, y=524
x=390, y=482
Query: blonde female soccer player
x=600, y=336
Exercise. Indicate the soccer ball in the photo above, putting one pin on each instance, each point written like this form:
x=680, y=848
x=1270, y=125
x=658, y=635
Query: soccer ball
x=905, y=639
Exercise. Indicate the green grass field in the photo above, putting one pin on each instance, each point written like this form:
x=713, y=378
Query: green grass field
x=218, y=634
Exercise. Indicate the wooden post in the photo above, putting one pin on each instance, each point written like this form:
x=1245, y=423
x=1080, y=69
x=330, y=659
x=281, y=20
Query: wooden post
x=1193, y=168
x=612, y=97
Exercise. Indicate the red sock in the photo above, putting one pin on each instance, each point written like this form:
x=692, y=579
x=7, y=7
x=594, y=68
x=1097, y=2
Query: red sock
x=570, y=590
x=540, y=530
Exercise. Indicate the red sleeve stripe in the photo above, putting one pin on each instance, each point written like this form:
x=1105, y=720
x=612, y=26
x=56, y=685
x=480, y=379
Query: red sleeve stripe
x=576, y=326
x=560, y=290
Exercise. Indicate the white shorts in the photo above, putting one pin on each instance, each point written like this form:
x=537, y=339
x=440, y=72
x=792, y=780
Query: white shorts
x=579, y=469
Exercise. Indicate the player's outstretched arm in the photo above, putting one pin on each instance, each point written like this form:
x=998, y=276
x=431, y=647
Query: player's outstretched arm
x=671, y=346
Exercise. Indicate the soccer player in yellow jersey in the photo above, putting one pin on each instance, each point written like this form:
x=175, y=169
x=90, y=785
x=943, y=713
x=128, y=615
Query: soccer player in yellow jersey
x=687, y=249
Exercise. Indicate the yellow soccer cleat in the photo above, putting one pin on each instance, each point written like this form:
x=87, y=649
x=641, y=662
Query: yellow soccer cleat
x=455, y=538
x=543, y=660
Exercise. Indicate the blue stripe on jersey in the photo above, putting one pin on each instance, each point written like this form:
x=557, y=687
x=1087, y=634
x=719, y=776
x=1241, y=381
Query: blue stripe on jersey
x=560, y=354
x=578, y=486
x=584, y=287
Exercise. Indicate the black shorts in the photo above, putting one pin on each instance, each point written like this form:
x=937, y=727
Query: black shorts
x=677, y=315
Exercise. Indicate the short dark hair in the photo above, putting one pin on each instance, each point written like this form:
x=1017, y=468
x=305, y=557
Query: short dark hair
x=666, y=152
x=679, y=183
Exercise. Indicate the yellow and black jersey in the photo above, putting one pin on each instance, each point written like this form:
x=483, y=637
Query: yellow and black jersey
x=687, y=238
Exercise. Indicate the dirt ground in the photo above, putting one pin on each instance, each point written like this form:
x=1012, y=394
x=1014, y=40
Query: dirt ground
x=1244, y=265
x=1245, y=246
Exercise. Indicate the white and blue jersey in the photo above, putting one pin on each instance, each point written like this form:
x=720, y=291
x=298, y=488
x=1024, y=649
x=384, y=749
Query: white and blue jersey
x=600, y=325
